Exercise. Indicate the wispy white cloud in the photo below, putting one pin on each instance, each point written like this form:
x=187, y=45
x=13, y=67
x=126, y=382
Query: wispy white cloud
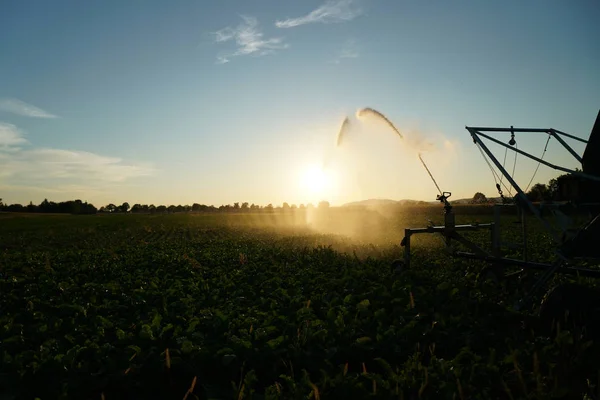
x=99, y=192
x=222, y=60
x=348, y=50
x=21, y=108
x=51, y=168
x=330, y=12
x=249, y=40
x=61, y=189
x=11, y=137
x=75, y=166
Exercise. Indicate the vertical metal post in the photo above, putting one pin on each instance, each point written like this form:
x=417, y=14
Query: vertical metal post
x=449, y=224
x=496, y=232
x=524, y=226
x=407, y=248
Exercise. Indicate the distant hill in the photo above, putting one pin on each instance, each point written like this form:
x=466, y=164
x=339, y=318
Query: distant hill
x=388, y=202
x=468, y=201
x=382, y=202
x=371, y=202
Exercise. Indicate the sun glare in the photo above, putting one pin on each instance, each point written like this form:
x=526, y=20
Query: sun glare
x=316, y=181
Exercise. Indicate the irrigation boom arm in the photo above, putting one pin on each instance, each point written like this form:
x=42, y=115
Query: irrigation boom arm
x=476, y=132
x=521, y=194
x=531, y=130
x=566, y=253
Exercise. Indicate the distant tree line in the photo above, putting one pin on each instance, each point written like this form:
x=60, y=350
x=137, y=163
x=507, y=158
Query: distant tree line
x=63, y=207
x=79, y=207
x=537, y=193
x=196, y=207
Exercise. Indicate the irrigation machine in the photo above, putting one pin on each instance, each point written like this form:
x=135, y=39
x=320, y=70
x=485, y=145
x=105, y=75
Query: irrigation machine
x=576, y=248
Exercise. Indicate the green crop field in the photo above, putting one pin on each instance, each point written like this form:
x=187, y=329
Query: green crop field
x=248, y=306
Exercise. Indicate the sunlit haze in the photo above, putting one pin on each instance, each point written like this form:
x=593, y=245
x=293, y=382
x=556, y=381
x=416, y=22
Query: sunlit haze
x=242, y=101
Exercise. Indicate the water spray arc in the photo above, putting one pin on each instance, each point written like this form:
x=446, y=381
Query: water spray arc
x=367, y=111
x=571, y=248
x=341, y=133
x=371, y=112
x=339, y=139
x=364, y=112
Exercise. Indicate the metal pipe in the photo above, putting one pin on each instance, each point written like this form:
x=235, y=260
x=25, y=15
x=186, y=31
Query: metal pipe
x=524, y=229
x=442, y=228
x=469, y=245
x=573, y=153
x=496, y=250
x=407, y=233
x=533, y=265
x=570, y=136
x=521, y=194
x=527, y=130
x=476, y=138
x=484, y=129
x=575, y=173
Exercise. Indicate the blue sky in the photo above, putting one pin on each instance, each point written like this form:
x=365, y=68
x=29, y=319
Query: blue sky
x=224, y=101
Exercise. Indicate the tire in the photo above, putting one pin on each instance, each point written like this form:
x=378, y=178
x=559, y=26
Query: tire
x=573, y=306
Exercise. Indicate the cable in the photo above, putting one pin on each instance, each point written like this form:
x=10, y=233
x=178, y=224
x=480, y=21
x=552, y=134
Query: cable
x=494, y=173
x=488, y=163
x=504, y=162
x=514, y=166
x=513, y=170
x=515, y=162
x=430, y=175
x=539, y=162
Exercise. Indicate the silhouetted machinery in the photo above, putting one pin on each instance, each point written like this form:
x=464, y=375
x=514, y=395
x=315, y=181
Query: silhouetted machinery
x=576, y=247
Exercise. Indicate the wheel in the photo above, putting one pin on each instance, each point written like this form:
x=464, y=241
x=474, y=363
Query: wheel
x=573, y=306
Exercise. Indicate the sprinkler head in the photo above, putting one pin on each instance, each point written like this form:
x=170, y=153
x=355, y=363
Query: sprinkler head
x=512, y=140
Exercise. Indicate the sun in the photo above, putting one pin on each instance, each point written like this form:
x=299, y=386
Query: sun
x=316, y=180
